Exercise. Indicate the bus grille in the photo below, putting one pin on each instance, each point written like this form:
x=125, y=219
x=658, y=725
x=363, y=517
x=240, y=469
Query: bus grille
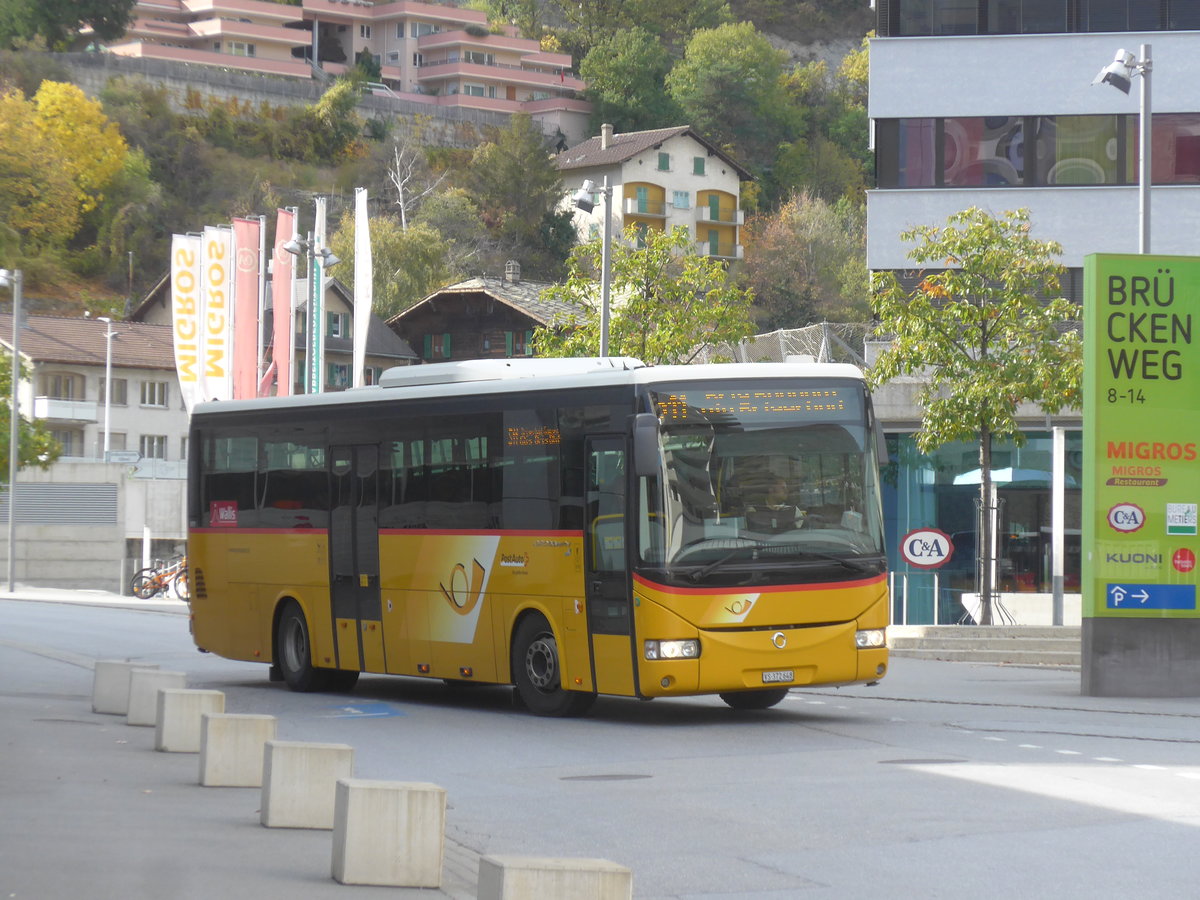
x=198, y=589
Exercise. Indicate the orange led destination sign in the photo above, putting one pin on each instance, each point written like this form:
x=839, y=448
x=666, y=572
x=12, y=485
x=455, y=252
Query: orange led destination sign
x=696, y=404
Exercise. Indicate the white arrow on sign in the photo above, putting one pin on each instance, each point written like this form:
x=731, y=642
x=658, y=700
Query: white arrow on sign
x=1142, y=595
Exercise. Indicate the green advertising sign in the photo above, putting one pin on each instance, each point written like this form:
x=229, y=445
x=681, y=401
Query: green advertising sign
x=1141, y=440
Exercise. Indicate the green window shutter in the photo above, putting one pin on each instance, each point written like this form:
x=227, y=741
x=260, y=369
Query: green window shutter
x=428, y=346
x=446, y=345
x=508, y=343
x=697, y=165
x=664, y=162
x=529, y=343
x=714, y=207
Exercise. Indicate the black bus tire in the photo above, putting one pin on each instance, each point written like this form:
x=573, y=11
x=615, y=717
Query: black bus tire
x=537, y=672
x=761, y=699
x=293, y=652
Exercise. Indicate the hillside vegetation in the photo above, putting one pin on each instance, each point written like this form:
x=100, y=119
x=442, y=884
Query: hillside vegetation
x=747, y=74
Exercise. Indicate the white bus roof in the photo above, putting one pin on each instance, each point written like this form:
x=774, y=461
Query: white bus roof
x=502, y=376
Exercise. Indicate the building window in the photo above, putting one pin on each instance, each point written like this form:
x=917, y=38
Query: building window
x=479, y=58
x=418, y=60
x=681, y=199
x=155, y=393
x=61, y=386
x=241, y=48
x=71, y=440
x=120, y=392
x=153, y=446
x=371, y=374
x=419, y=29
x=518, y=343
x=116, y=440
x=338, y=376
x=364, y=32
x=474, y=90
x=339, y=325
x=697, y=165
x=664, y=162
x=437, y=346
x=183, y=447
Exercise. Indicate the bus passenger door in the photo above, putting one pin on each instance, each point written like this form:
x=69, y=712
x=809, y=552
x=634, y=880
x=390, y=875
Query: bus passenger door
x=607, y=575
x=354, y=557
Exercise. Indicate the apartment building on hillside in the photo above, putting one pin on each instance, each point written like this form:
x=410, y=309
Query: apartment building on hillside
x=990, y=103
x=437, y=54
x=660, y=179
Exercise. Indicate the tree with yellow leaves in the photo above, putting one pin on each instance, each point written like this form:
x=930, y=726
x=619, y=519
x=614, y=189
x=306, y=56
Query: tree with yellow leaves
x=90, y=146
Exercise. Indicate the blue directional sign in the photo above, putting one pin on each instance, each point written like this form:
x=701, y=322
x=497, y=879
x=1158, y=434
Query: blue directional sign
x=1151, y=596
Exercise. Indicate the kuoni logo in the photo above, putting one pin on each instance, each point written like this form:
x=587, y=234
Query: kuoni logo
x=1126, y=517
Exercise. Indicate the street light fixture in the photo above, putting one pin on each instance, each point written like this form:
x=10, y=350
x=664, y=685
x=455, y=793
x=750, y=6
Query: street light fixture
x=317, y=260
x=109, y=334
x=583, y=201
x=15, y=280
x=1120, y=73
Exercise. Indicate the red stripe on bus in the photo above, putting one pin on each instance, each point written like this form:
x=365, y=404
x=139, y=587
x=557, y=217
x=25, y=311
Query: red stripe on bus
x=764, y=589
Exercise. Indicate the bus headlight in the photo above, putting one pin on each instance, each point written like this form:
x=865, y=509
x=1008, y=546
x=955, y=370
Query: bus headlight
x=870, y=639
x=689, y=649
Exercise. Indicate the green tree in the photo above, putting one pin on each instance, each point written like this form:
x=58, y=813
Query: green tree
x=38, y=207
x=730, y=87
x=35, y=445
x=61, y=24
x=666, y=301
x=407, y=264
x=806, y=262
x=518, y=189
x=626, y=76
x=983, y=339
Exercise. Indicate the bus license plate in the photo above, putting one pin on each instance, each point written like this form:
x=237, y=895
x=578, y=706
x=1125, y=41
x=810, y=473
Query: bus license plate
x=779, y=675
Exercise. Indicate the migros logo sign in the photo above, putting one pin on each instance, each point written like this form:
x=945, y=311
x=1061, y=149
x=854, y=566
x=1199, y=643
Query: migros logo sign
x=1148, y=450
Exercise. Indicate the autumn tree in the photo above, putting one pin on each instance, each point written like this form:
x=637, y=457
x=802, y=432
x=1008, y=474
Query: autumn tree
x=91, y=147
x=986, y=332
x=806, y=262
x=407, y=264
x=667, y=301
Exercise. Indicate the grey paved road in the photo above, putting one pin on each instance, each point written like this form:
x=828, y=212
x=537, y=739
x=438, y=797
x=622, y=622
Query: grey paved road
x=946, y=780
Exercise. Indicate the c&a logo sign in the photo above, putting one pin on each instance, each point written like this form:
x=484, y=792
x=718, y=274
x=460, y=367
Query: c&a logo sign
x=926, y=548
x=1126, y=517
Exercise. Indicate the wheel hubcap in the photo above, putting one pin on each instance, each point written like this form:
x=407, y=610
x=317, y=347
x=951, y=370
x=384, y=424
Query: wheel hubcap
x=541, y=663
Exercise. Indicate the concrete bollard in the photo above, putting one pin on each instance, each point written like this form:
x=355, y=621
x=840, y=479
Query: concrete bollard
x=300, y=782
x=389, y=833
x=144, y=685
x=177, y=729
x=231, y=748
x=524, y=877
x=110, y=685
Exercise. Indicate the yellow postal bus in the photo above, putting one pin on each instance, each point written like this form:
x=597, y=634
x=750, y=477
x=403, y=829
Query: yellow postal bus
x=573, y=527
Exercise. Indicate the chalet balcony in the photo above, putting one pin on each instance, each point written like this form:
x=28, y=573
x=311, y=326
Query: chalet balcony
x=724, y=215
x=652, y=209
x=53, y=409
x=719, y=249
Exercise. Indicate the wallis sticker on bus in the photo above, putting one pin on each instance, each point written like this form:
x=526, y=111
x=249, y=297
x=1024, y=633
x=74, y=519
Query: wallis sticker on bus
x=1141, y=418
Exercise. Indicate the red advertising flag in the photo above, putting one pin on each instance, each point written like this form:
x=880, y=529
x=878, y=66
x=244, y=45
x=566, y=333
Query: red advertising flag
x=282, y=278
x=246, y=238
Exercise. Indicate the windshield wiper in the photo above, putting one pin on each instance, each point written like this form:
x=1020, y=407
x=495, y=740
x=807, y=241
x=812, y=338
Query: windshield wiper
x=856, y=564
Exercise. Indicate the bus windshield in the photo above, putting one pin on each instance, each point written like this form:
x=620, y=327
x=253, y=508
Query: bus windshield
x=770, y=483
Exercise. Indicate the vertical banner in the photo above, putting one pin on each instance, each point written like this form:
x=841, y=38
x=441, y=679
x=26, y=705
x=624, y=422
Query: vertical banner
x=1141, y=444
x=315, y=357
x=185, y=315
x=246, y=238
x=216, y=266
x=363, y=292
x=283, y=289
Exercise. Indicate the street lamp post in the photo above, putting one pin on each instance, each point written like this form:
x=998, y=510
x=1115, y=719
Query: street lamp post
x=583, y=201
x=325, y=258
x=108, y=336
x=13, y=279
x=1120, y=73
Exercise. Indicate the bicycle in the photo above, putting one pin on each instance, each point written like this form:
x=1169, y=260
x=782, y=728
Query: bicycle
x=162, y=577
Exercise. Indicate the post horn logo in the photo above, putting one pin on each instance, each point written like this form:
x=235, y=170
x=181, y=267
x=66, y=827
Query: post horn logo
x=463, y=593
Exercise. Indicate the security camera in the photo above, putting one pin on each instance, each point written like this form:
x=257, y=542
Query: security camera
x=583, y=196
x=1118, y=72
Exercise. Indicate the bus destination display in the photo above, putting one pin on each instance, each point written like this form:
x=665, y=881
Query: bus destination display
x=758, y=404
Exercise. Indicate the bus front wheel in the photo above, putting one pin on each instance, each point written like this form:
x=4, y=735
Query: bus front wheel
x=293, y=655
x=763, y=699
x=537, y=672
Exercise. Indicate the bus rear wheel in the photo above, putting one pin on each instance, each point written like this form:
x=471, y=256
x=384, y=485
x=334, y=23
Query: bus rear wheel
x=293, y=655
x=537, y=672
x=763, y=699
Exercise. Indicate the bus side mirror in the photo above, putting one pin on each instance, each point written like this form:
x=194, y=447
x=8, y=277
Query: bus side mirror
x=881, y=450
x=645, y=444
